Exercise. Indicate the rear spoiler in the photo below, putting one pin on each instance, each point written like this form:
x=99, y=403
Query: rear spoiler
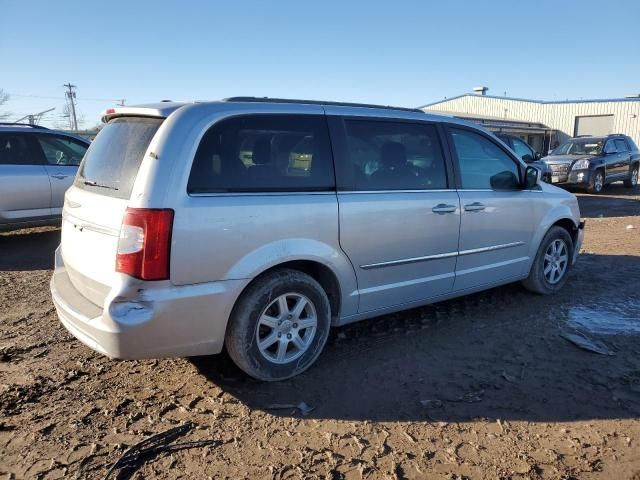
x=157, y=110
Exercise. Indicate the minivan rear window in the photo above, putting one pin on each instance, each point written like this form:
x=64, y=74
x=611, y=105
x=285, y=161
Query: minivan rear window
x=111, y=164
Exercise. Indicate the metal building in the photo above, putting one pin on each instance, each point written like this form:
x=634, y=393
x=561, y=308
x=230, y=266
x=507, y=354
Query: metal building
x=543, y=124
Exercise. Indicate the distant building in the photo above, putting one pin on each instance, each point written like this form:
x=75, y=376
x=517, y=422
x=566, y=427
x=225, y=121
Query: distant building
x=543, y=124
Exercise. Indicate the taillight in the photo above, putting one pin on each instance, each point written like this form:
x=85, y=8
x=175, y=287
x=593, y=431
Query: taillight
x=144, y=246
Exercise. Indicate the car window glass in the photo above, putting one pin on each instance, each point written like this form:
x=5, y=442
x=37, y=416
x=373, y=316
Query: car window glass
x=394, y=155
x=483, y=164
x=61, y=151
x=15, y=149
x=621, y=145
x=264, y=153
x=610, y=147
x=522, y=149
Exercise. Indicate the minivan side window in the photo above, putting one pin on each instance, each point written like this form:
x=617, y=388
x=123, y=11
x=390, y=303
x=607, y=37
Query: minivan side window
x=387, y=155
x=18, y=149
x=483, y=165
x=266, y=152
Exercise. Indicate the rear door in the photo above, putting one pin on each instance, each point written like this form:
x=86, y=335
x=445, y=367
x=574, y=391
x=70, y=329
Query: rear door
x=399, y=216
x=63, y=155
x=624, y=152
x=95, y=203
x=498, y=218
x=25, y=193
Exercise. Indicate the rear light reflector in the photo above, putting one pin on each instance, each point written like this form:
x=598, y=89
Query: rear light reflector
x=144, y=246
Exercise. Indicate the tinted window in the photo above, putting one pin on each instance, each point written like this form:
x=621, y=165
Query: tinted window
x=394, y=156
x=482, y=163
x=522, y=149
x=111, y=164
x=17, y=149
x=621, y=145
x=264, y=153
x=610, y=147
x=62, y=150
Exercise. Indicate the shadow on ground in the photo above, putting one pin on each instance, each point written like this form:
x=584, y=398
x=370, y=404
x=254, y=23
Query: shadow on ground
x=28, y=249
x=615, y=201
x=496, y=354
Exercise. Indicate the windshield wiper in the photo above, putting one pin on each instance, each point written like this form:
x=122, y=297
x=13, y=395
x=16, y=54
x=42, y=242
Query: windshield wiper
x=93, y=183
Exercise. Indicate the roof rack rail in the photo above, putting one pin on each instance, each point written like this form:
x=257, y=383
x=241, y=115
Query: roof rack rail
x=12, y=124
x=317, y=102
x=616, y=135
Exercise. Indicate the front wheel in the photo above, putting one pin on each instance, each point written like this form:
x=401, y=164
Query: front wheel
x=596, y=185
x=552, y=263
x=632, y=182
x=279, y=325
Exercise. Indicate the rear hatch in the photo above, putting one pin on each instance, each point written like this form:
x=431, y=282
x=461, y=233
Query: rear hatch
x=96, y=203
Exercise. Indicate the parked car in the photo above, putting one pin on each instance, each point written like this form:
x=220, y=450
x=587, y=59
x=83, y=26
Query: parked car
x=527, y=153
x=593, y=162
x=37, y=165
x=257, y=224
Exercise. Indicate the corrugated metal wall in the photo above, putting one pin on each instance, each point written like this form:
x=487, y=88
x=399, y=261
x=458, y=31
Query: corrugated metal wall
x=560, y=116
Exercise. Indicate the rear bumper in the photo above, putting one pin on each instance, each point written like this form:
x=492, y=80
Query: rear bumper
x=157, y=320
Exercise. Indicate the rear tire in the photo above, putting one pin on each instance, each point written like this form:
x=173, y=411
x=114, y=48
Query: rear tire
x=632, y=182
x=279, y=325
x=552, y=264
x=596, y=182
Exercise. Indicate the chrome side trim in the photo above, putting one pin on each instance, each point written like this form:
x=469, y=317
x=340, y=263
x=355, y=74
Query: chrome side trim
x=440, y=256
x=404, y=261
x=490, y=249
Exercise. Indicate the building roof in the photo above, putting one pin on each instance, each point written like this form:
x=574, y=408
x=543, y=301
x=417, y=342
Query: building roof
x=598, y=100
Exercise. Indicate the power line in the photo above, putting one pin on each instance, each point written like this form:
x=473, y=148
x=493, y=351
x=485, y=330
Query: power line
x=56, y=98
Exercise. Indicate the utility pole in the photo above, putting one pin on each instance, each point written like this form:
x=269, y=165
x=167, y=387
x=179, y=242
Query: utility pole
x=71, y=96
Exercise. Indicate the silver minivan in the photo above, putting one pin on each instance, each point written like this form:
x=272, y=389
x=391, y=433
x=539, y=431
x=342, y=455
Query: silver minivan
x=255, y=225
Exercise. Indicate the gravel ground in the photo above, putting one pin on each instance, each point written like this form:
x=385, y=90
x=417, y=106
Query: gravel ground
x=480, y=387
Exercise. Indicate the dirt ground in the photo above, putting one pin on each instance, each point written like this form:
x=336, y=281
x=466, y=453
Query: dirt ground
x=479, y=387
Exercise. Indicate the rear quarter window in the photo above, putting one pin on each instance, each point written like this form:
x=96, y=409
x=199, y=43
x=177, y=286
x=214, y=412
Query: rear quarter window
x=111, y=163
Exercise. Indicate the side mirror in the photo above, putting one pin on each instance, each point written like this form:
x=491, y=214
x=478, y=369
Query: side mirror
x=527, y=158
x=531, y=177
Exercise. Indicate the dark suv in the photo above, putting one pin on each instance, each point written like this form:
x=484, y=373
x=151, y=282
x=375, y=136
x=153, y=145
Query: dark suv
x=593, y=162
x=527, y=153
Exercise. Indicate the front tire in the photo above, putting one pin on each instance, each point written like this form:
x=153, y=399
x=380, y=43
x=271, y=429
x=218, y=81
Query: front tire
x=632, y=182
x=279, y=325
x=596, y=183
x=551, y=266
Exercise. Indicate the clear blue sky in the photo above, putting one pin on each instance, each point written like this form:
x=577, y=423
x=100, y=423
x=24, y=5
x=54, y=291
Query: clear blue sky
x=405, y=53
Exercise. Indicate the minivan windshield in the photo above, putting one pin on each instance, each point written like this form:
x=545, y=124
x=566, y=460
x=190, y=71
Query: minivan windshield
x=580, y=146
x=111, y=164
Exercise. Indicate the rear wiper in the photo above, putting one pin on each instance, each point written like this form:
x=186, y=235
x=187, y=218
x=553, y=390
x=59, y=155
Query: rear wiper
x=93, y=183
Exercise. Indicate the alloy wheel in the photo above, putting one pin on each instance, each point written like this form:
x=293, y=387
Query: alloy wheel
x=598, y=182
x=286, y=328
x=556, y=260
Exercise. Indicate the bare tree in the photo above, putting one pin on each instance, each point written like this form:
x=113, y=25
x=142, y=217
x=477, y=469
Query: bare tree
x=4, y=98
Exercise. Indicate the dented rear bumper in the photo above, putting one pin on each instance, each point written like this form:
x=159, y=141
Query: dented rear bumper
x=147, y=319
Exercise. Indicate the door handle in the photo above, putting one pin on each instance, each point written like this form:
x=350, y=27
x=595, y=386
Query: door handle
x=443, y=208
x=60, y=176
x=474, y=207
